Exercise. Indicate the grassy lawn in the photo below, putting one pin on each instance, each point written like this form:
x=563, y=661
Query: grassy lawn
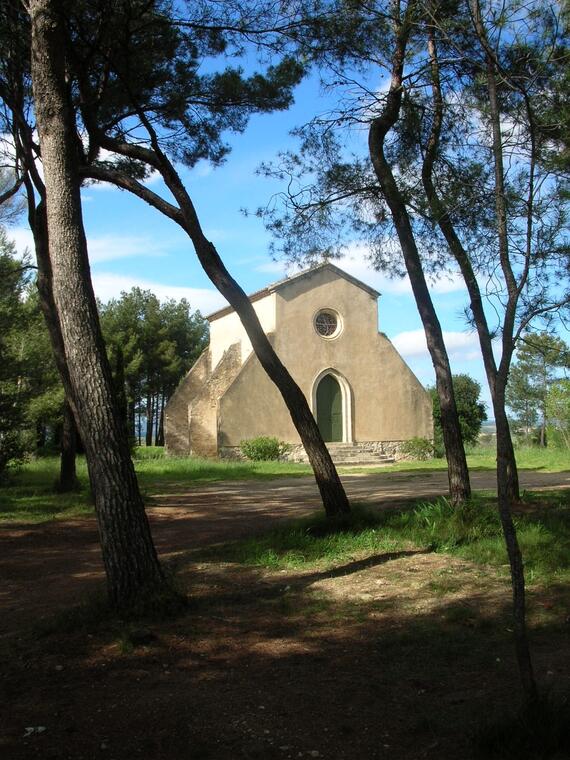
x=472, y=533
x=29, y=495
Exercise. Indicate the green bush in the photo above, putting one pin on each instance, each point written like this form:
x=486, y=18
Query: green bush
x=263, y=448
x=417, y=448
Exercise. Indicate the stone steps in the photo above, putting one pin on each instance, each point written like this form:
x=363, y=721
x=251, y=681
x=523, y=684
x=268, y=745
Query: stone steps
x=351, y=454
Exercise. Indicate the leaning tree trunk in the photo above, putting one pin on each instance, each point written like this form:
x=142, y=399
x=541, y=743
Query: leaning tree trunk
x=129, y=556
x=458, y=473
x=333, y=495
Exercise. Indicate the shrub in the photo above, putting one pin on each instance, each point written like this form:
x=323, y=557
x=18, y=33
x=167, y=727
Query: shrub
x=263, y=448
x=417, y=448
x=12, y=451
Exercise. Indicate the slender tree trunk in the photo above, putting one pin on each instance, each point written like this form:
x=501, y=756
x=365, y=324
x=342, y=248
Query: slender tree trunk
x=333, y=495
x=458, y=473
x=67, y=472
x=443, y=220
x=156, y=417
x=67, y=480
x=129, y=555
x=503, y=434
x=149, y=419
x=40, y=435
x=160, y=431
x=132, y=416
x=504, y=444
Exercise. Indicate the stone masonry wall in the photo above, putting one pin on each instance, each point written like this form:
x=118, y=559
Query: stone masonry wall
x=177, y=423
x=203, y=410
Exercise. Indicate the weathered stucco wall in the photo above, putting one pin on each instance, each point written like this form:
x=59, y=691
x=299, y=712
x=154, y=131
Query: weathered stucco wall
x=176, y=419
x=387, y=400
x=227, y=330
x=203, y=407
x=191, y=415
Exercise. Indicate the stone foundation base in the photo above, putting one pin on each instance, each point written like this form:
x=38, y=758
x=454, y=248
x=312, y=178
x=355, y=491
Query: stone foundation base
x=296, y=451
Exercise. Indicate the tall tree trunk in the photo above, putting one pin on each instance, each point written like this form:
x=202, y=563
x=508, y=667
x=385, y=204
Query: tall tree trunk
x=333, y=495
x=67, y=472
x=504, y=444
x=442, y=218
x=149, y=418
x=129, y=556
x=160, y=431
x=457, y=471
x=131, y=415
x=156, y=417
x=40, y=435
x=67, y=480
x=513, y=290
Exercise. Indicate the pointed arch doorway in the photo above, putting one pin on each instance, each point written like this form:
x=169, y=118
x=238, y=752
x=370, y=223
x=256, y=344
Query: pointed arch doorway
x=332, y=406
x=329, y=409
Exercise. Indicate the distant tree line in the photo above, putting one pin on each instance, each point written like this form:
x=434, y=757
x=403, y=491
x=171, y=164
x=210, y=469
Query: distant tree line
x=150, y=345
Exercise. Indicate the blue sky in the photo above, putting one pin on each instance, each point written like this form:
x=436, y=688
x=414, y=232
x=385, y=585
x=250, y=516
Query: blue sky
x=131, y=244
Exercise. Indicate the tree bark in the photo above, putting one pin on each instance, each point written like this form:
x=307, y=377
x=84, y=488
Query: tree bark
x=67, y=471
x=160, y=431
x=129, y=556
x=458, y=473
x=503, y=435
x=443, y=220
x=67, y=480
x=149, y=419
x=333, y=495
x=522, y=649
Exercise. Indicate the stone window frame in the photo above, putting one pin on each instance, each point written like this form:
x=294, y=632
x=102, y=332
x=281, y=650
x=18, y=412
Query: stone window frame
x=339, y=323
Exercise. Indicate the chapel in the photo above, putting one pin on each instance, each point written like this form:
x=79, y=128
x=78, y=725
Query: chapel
x=323, y=324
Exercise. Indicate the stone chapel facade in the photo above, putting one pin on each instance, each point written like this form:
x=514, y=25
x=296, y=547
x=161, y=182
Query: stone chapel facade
x=323, y=323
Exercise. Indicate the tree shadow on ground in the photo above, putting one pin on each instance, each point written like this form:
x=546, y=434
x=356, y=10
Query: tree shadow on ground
x=349, y=663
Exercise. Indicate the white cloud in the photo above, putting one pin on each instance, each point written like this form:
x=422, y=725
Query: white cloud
x=113, y=247
x=102, y=248
x=273, y=267
x=108, y=285
x=357, y=263
x=460, y=345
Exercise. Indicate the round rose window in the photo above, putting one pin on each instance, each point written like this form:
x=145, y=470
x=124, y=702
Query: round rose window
x=327, y=323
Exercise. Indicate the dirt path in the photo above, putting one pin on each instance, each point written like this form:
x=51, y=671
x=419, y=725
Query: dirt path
x=391, y=657
x=53, y=565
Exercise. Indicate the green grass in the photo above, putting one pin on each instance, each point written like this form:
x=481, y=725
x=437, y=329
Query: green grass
x=29, y=493
x=154, y=469
x=311, y=542
x=472, y=532
x=485, y=458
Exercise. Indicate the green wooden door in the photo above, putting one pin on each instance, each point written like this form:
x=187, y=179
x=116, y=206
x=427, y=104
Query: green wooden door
x=329, y=409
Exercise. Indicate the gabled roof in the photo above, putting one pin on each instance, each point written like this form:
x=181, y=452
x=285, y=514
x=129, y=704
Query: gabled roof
x=280, y=284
